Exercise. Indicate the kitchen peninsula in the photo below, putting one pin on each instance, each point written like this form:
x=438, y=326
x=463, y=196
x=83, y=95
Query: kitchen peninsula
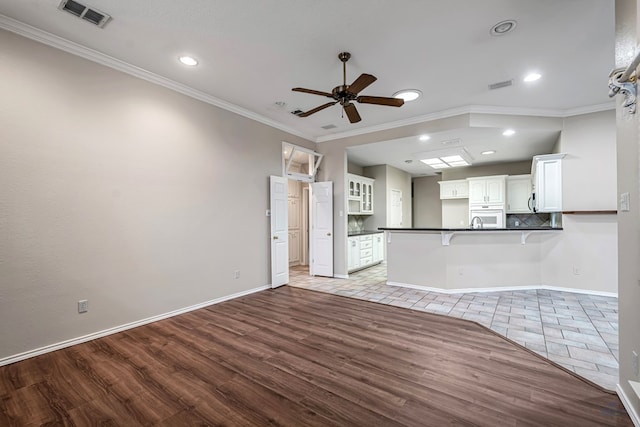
x=463, y=259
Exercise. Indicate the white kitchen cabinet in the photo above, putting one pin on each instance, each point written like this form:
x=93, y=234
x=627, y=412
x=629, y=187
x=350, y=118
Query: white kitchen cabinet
x=378, y=247
x=454, y=189
x=294, y=247
x=360, y=195
x=547, y=182
x=519, y=194
x=294, y=213
x=487, y=190
x=364, y=251
x=353, y=253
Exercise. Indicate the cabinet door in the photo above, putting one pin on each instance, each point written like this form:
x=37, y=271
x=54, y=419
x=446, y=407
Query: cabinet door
x=477, y=191
x=378, y=247
x=353, y=253
x=549, y=186
x=518, y=194
x=294, y=247
x=367, y=197
x=495, y=190
x=461, y=189
x=294, y=213
x=447, y=190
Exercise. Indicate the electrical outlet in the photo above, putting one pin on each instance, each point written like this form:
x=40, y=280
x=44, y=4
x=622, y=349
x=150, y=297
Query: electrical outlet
x=83, y=306
x=460, y=271
x=236, y=274
x=635, y=363
x=576, y=270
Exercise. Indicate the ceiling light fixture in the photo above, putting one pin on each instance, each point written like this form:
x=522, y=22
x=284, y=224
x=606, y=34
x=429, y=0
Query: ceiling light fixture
x=188, y=60
x=503, y=27
x=486, y=153
x=408, y=94
x=424, y=137
x=532, y=77
x=509, y=132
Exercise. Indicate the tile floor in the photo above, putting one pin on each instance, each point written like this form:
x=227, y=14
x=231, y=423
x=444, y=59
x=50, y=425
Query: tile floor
x=577, y=331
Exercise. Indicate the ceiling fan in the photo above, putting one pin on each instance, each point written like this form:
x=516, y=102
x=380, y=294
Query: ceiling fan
x=344, y=94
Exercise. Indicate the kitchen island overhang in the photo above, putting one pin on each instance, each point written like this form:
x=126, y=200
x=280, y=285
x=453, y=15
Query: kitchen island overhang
x=462, y=260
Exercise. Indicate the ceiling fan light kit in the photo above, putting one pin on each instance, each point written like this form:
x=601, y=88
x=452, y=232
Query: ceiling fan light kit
x=345, y=94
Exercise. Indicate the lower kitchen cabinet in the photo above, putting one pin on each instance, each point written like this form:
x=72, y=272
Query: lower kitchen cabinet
x=365, y=251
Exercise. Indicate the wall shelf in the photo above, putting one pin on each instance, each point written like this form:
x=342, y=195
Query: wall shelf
x=589, y=212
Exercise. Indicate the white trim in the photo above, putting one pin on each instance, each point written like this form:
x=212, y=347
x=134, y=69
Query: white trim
x=108, y=61
x=635, y=417
x=49, y=39
x=68, y=343
x=341, y=276
x=471, y=109
x=502, y=289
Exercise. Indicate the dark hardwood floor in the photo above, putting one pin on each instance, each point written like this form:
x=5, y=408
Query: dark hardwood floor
x=301, y=358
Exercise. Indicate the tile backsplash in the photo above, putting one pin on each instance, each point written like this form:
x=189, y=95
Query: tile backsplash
x=528, y=220
x=356, y=223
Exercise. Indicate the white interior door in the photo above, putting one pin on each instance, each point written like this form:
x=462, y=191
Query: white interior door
x=279, y=231
x=321, y=248
x=395, y=217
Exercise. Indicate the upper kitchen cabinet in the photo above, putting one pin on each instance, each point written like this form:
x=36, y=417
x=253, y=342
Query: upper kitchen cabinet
x=487, y=190
x=360, y=195
x=454, y=189
x=519, y=194
x=547, y=182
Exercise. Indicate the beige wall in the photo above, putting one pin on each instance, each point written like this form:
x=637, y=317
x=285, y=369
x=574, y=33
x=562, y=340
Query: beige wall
x=121, y=192
x=387, y=178
x=589, y=167
x=427, y=207
x=628, y=177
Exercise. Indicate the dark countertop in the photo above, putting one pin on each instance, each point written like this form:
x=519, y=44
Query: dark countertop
x=363, y=233
x=473, y=229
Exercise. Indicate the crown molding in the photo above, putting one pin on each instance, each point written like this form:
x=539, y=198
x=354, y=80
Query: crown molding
x=49, y=39
x=472, y=109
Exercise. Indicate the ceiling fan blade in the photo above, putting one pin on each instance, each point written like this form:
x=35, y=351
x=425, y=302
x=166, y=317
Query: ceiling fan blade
x=352, y=113
x=381, y=100
x=314, y=92
x=360, y=83
x=315, y=110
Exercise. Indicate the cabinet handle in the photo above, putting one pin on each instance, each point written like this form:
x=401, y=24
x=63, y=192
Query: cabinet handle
x=275, y=237
x=328, y=234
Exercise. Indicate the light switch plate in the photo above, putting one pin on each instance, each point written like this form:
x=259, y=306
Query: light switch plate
x=624, y=202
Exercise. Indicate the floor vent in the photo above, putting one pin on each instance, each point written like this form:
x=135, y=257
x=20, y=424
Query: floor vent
x=83, y=12
x=327, y=127
x=499, y=85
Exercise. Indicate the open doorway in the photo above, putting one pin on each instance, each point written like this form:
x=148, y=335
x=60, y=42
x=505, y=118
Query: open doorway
x=310, y=213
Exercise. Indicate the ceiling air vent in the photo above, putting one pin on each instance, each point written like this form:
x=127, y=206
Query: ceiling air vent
x=83, y=12
x=499, y=85
x=327, y=127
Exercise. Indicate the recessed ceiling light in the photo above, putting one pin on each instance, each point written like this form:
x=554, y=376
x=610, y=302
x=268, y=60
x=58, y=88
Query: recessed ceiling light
x=532, y=77
x=408, y=94
x=509, y=132
x=504, y=27
x=188, y=60
x=424, y=137
x=485, y=153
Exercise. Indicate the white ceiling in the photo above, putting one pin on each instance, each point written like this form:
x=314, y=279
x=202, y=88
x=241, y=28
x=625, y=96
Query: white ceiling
x=252, y=53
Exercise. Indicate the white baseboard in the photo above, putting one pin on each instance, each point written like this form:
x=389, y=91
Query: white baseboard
x=341, y=276
x=68, y=343
x=501, y=289
x=635, y=417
